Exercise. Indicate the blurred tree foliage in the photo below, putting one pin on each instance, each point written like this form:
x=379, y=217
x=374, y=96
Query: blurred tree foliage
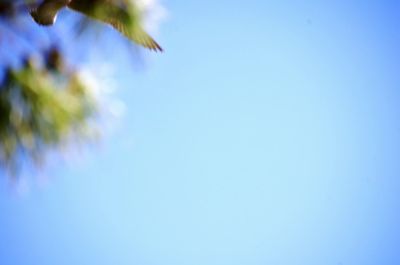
x=44, y=104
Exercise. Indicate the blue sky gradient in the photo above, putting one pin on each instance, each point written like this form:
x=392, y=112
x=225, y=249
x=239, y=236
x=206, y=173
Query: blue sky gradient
x=267, y=133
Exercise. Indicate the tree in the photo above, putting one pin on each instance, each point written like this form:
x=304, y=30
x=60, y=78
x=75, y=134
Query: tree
x=44, y=103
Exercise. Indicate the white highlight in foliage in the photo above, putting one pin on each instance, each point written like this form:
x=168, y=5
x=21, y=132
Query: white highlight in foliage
x=153, y=13
x=100, y=82
x=98, y=79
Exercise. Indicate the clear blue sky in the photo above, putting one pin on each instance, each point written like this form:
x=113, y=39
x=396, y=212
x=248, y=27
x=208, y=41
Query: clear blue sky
x=267, y=133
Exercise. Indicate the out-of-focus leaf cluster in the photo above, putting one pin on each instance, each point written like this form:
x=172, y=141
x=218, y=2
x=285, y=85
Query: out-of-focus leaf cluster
x=41, y=108
x=44, y=105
